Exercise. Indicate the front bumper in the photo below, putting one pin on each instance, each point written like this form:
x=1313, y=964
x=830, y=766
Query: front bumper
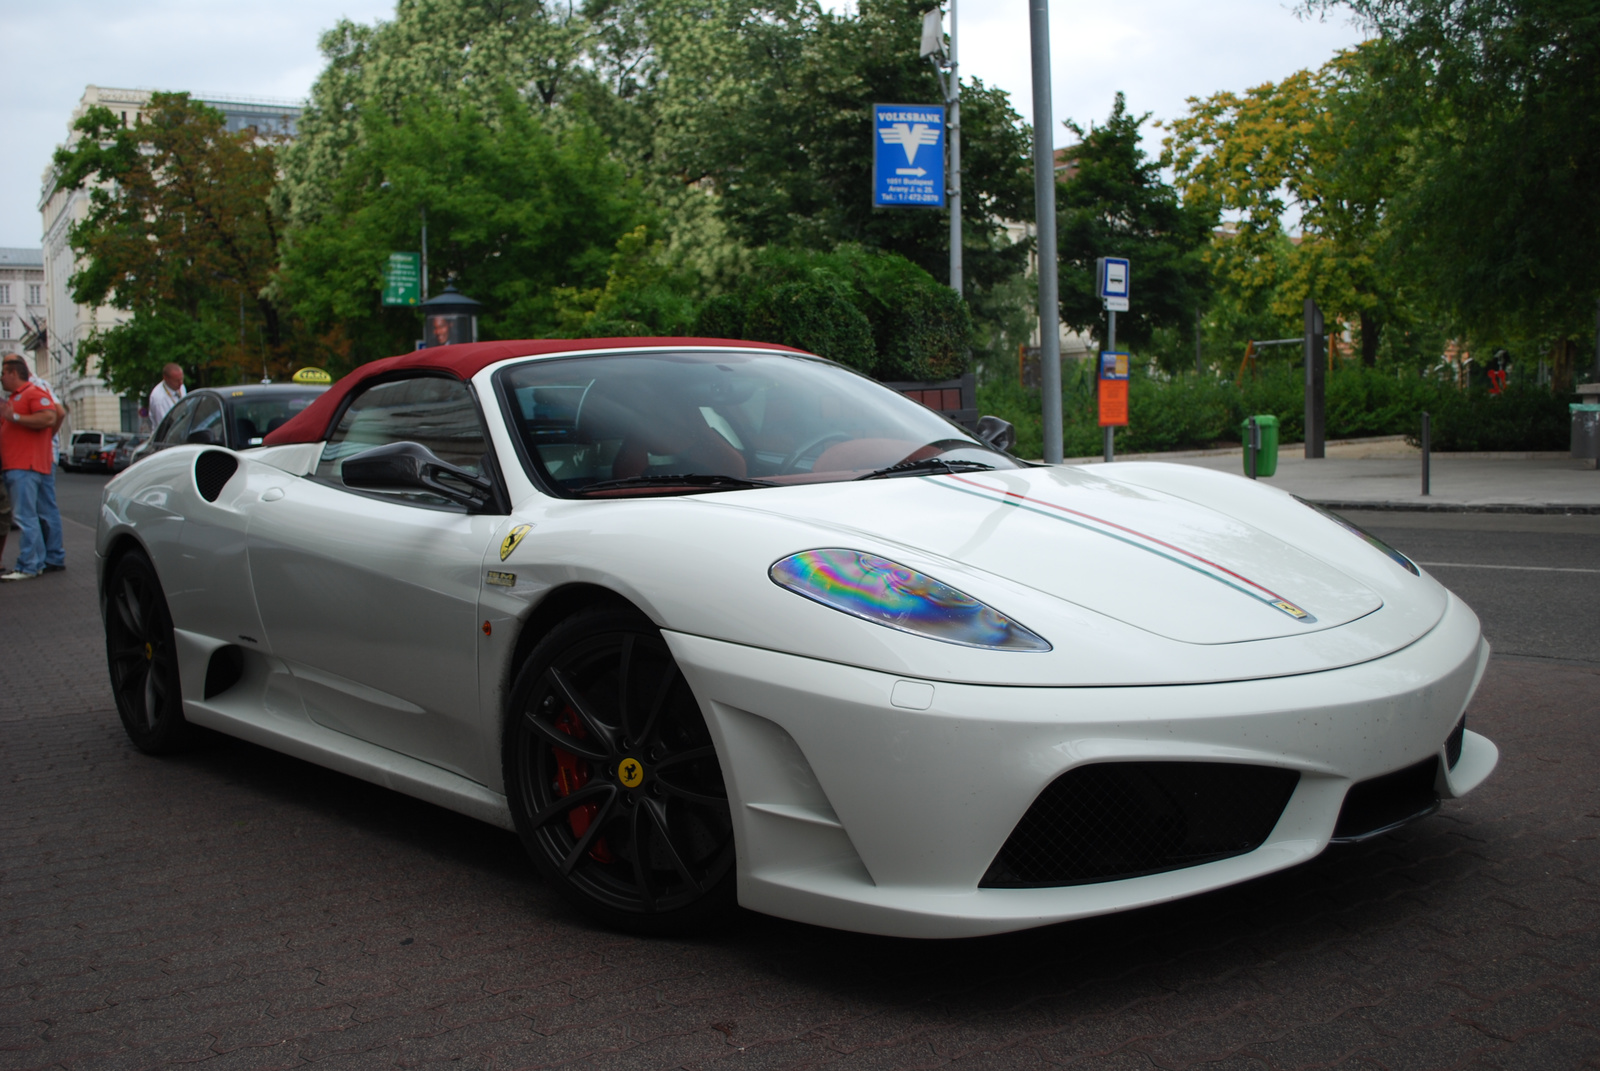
x=870, y=802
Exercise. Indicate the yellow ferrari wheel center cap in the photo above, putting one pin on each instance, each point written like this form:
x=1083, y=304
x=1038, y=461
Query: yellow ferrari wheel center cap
x=630, y=772
x=149, y=652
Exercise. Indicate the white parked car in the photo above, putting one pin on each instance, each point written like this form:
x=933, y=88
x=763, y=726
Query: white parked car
x=708, y=621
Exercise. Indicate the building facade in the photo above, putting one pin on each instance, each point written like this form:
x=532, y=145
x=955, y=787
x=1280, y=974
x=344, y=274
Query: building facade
x=91, y=403
x=22, y=304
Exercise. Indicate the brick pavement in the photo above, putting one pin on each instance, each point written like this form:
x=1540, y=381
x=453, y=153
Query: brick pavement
x=240, y=909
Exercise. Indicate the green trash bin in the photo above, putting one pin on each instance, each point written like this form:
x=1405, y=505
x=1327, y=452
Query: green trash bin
x=1267, y=456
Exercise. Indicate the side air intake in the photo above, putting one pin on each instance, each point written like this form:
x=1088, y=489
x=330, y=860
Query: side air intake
x=212, y=470
x=1113, y=820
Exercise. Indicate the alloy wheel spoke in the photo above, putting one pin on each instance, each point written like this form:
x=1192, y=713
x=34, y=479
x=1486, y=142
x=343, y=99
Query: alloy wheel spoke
x=641, y=858
x=595, y=727
x=586, y=794
x=566, y=742
x=127, y=604
x=689, y=794
x=595, y=825
x=658, y=819
x=151, y=699
x=653, y=718
x=707, y=752
x=624, y=671
x=127, y=654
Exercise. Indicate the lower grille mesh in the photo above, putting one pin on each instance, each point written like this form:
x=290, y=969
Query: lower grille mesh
x=1113, y=820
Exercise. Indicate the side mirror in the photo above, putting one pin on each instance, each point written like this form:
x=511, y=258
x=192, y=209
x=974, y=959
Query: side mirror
x=410, y=466
x=996, y=432
x=204, y=437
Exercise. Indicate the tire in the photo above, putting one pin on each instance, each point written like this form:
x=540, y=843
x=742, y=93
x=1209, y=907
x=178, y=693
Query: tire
x=613, y=780
x=143, y=657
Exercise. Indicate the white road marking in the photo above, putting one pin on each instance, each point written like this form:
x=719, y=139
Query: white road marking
x=1518, y=568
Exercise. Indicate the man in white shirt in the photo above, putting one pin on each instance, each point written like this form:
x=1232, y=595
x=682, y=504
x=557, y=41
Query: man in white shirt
x=166, y=394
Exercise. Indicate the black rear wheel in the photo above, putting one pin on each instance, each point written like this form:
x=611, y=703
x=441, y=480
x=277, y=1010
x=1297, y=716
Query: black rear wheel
x=613, y=779
x=143, y=657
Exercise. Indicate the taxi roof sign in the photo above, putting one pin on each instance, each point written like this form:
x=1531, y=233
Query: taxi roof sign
x=311, y=375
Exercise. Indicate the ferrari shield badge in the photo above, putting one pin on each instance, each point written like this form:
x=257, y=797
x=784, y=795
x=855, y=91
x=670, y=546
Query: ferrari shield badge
x=512, y=539
x=630, y=773
x=1293, y=611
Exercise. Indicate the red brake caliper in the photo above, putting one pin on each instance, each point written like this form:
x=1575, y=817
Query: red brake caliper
x=572, y=773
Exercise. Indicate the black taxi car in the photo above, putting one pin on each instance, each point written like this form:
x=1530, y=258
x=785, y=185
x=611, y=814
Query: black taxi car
x=236, y=417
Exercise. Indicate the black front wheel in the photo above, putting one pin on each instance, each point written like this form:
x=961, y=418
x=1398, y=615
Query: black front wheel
x=613, y=780
x=143, y=657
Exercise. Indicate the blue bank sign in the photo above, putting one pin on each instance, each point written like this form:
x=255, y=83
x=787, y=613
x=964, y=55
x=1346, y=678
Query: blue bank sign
x=907, y=155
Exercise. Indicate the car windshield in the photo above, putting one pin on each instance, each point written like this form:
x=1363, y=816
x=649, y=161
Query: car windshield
x=254, y=417
x=684, y=422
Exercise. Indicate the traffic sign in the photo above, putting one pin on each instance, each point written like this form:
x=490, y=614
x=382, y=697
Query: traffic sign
x=402, y=279
x=908, y=156
x=1115, y=282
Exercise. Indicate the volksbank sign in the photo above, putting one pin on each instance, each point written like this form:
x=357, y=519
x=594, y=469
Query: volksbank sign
x=908, y=155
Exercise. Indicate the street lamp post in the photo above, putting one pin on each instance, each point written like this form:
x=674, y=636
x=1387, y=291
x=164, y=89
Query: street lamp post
x=1044, y=194
x=944, y=62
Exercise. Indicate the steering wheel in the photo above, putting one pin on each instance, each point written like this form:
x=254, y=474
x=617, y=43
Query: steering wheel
x=821, y=440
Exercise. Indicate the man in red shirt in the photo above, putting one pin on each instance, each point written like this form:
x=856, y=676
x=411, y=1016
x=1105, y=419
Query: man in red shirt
x=28, y=419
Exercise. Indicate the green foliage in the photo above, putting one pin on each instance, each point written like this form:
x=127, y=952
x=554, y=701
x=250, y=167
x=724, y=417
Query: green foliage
x=874, y=311
x=1117, y=205
x=178, y=233
x=520, y=216
x=812, y=317
x=643, y=295
x=1496, y=213
x=1197, y=412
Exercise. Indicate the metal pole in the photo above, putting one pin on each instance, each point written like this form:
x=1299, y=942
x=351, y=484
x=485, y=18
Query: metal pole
x=1109, y=446
x=424, y=211
x=955, y=159
x=1427, y=447
x=1044, y=196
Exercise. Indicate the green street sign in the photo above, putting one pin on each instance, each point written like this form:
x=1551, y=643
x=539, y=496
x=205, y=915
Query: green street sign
x=402, y=279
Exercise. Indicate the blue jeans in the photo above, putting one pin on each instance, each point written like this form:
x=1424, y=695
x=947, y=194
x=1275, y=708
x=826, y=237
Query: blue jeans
x=33, y=507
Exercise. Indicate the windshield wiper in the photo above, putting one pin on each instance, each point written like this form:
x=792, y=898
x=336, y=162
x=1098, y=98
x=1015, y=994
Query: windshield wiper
x=936, y=466
x=694, y=480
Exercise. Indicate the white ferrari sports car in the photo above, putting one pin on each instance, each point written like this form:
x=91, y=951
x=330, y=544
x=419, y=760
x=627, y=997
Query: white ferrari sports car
x=708, y=622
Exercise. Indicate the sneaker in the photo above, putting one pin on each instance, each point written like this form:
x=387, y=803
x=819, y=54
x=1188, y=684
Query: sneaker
x=17, y=575
x=55, y=568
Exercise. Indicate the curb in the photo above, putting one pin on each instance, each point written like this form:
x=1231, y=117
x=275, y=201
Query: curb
x=1460, y=507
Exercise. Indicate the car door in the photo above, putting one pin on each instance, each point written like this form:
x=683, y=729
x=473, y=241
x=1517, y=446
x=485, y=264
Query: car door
x=371, y=598
x=173, y=426
x=205, y=427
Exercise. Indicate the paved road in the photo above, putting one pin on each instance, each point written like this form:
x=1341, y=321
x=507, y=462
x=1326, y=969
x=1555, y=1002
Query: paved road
x=240, y=909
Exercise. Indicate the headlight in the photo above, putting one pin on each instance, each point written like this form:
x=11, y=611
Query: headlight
x=885, y=593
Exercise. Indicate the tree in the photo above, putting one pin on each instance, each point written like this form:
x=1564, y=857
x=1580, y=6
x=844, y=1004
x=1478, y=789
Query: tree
x=467, y=51
x=180, y=234
x=1496, y=211
x=1322, y=145
x=519, y=217
x=1117, y=205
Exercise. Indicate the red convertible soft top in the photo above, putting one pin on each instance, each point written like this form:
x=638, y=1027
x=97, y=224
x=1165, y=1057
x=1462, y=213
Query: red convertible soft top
x=315, y=421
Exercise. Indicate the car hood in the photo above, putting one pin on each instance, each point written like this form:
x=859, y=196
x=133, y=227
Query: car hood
x=1135, y=573
x=1168, y=566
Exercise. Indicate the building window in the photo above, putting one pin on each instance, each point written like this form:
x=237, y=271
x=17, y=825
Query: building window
x=35, y=294
x=5, y=293
x=5, y=327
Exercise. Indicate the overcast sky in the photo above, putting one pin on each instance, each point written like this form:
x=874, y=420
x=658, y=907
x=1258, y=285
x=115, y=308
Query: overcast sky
x=1159, y=52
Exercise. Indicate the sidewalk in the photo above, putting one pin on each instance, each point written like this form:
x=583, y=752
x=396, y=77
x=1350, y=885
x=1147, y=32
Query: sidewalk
x=1386, y=474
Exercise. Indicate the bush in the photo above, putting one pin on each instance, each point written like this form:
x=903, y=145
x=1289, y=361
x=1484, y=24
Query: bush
x=915, y=327
x=1192, y=412
x=813, y=318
